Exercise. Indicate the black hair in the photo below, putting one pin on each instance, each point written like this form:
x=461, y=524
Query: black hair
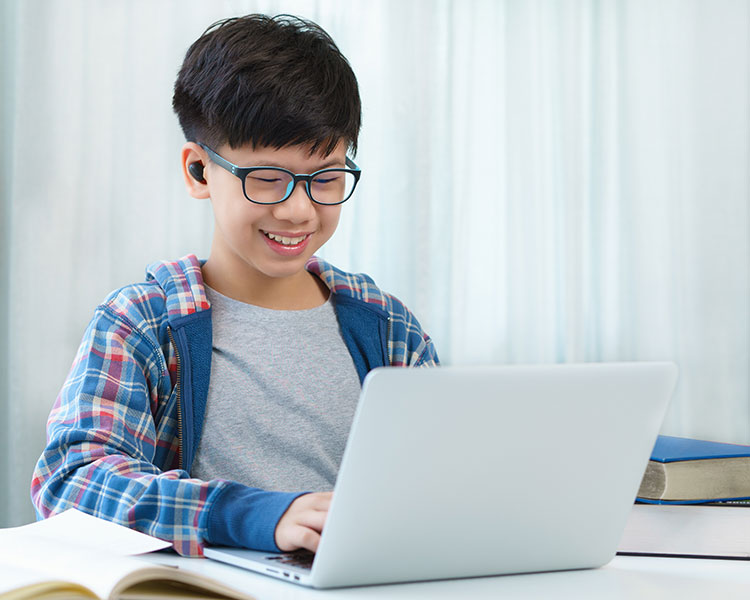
x=268, y=81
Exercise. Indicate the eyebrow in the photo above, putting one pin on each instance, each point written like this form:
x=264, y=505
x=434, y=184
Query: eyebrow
x=335, y=162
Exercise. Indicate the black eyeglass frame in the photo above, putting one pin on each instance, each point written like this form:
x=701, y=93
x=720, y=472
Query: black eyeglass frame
x=242, y=172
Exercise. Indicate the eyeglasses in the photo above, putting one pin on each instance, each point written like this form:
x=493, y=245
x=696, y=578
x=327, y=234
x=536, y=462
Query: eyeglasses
x=272, y=185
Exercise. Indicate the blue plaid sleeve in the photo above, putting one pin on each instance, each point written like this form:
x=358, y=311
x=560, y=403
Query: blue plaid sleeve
x=103, y=438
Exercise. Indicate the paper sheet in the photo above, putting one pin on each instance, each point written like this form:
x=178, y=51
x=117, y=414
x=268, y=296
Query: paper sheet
x=83, y=530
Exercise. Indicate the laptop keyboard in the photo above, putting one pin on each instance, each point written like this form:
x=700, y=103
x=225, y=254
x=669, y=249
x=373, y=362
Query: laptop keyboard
x=301, y=559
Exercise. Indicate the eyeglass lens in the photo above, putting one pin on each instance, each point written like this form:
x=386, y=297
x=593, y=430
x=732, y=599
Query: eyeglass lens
x=268, y=186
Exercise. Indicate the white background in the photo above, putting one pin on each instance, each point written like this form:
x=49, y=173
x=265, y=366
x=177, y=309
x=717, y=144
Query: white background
x=543, y=181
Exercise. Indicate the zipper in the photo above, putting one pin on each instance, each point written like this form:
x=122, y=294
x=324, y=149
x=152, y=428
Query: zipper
x=179, y=402
x=388, y=347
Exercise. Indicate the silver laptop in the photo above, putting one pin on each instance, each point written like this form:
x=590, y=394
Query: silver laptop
x=472, y=471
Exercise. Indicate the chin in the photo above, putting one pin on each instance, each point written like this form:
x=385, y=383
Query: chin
x=288, y=269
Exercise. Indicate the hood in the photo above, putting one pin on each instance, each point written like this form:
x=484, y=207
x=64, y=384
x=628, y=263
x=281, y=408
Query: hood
x=182, y=282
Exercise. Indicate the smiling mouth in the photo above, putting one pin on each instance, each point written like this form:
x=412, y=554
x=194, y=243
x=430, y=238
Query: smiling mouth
x=286, y=241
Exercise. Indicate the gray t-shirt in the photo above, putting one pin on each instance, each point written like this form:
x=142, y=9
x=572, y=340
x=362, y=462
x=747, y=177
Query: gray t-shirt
x=281, y=398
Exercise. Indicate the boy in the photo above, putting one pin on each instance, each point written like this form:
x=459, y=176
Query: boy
x=211, y=404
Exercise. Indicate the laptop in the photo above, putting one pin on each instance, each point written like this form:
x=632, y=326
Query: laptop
x=456, y=472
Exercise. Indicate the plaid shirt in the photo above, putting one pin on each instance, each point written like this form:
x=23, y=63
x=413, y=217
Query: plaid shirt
x=123, y=431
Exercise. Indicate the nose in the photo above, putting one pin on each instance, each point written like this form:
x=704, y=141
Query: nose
x=298, y=208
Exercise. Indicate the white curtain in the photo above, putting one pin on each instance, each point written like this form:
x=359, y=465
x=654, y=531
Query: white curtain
x=544, y=181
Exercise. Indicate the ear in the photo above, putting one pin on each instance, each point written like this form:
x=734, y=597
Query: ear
x=196, y=186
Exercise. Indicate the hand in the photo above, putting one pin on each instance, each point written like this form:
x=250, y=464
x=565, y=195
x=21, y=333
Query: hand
x=302, y=523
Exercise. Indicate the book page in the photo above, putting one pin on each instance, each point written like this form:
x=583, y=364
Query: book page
x=73, y=547
x=58, y=560
x=21, y=583
x=90, y=532
x=91, y=553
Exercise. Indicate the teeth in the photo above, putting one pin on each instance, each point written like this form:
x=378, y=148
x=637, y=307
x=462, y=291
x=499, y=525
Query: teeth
x=285, y=240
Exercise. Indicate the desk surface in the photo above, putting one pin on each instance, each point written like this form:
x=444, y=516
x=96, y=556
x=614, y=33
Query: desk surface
x=625, y=577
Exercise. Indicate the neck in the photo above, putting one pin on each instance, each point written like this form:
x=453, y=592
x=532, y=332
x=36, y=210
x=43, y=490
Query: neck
x=301, y=291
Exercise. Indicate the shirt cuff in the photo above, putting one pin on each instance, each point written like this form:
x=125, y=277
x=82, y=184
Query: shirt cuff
x=246, y=517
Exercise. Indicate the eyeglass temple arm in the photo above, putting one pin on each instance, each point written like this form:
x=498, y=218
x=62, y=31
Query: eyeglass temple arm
x=219, y=160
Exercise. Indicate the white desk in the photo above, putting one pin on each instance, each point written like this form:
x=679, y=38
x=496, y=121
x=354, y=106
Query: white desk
x=626, y=577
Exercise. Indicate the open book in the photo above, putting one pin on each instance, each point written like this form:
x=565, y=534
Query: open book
x=73, y=555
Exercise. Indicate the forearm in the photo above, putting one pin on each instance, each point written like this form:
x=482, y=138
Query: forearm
x=169, y=505
x=96, y=479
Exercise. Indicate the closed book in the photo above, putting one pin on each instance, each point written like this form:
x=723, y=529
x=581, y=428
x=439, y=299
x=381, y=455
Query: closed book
x=684, y=470
x=690, y=530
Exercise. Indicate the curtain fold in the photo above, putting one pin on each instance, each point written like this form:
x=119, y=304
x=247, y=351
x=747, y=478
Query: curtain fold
x=542, y=182
x=7, y=110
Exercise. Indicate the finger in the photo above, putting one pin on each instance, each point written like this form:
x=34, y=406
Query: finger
x=320, y=501
x=306, y=513
x=313, y=519
x=303, y=537
x=313, y=502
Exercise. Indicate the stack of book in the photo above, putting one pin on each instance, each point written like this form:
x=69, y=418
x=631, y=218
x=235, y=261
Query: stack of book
x=694, y=500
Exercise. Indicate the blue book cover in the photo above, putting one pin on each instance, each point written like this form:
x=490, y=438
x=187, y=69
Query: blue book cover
x=672, y=449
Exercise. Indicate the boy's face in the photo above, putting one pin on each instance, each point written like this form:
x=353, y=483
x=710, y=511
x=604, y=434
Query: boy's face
x=269, y=241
